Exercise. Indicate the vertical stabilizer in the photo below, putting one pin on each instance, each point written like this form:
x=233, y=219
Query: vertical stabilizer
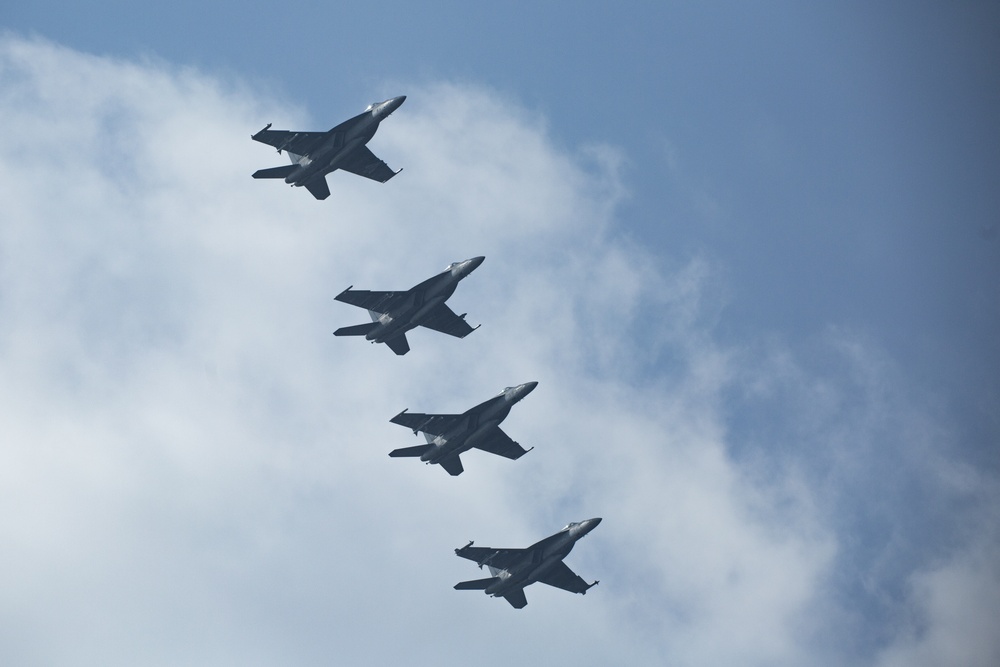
x=398, y=344
x=517, y=599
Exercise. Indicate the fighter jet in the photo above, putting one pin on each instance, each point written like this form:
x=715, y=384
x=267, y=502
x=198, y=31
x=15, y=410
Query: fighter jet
x=316, y=154
x=450, y=435
x=513, y=569
x=395, y=313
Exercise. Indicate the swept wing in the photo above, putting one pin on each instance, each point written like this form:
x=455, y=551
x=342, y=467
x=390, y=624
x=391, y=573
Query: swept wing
x=500, y=443
x=562, y=577
x=431, y=424
x=444, y=319
x=299, y=143
x=363, y=162
x=380, y=302
x=500, y=559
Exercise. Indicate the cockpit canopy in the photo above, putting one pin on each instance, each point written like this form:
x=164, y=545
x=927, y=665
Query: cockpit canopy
x=372, y=106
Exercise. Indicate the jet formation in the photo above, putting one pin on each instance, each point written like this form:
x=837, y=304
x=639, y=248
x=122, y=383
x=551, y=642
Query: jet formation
x=450, y=435
x=513, y=569
x=395, y=313
x=313, y=155
x=316, y=154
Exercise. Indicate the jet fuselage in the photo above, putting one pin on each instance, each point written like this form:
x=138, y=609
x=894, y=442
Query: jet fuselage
x=339, y=145
x=536, y=561
x=478, y=423
x=421, y=301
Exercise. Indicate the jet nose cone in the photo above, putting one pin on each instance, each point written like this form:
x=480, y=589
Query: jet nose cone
x=591, y=524
x=473, y=264
x=515, y=393
x=385, y=108
x=465, y=267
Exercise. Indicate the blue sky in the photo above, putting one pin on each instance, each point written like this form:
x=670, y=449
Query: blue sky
x=750, y=253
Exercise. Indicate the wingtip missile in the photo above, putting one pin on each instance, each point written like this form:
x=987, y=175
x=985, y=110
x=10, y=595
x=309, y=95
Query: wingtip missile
x=266, y=128
x=393, y=420
x=460, y=550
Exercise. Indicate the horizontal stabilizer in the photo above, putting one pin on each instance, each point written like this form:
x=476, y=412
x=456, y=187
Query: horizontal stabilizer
x=356, y=330
x=276, y=172
x=410, y=451
x=476, y=584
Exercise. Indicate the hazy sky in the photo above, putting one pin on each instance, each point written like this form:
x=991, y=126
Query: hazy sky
x=750, y=253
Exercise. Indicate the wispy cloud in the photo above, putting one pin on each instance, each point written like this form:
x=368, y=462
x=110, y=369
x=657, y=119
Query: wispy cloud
x=195, y=470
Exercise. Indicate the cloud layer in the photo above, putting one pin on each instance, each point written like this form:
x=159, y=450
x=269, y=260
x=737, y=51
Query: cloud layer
x=194, y=470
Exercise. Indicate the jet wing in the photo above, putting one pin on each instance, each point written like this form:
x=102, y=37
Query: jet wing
x=499, y=443
x=363, y=162
x=444, y=319
x=380, y=302
x=431, y=424
x=500, y=559
x=299, y=143
x=562, y=577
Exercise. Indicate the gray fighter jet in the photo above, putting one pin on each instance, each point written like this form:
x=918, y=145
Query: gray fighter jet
x=395, y=313
x=513, y=569
x=450, y=435
x=316, y=154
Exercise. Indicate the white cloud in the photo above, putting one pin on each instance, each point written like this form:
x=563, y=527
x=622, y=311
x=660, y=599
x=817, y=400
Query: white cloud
x=195, y=470
x=954, y=608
